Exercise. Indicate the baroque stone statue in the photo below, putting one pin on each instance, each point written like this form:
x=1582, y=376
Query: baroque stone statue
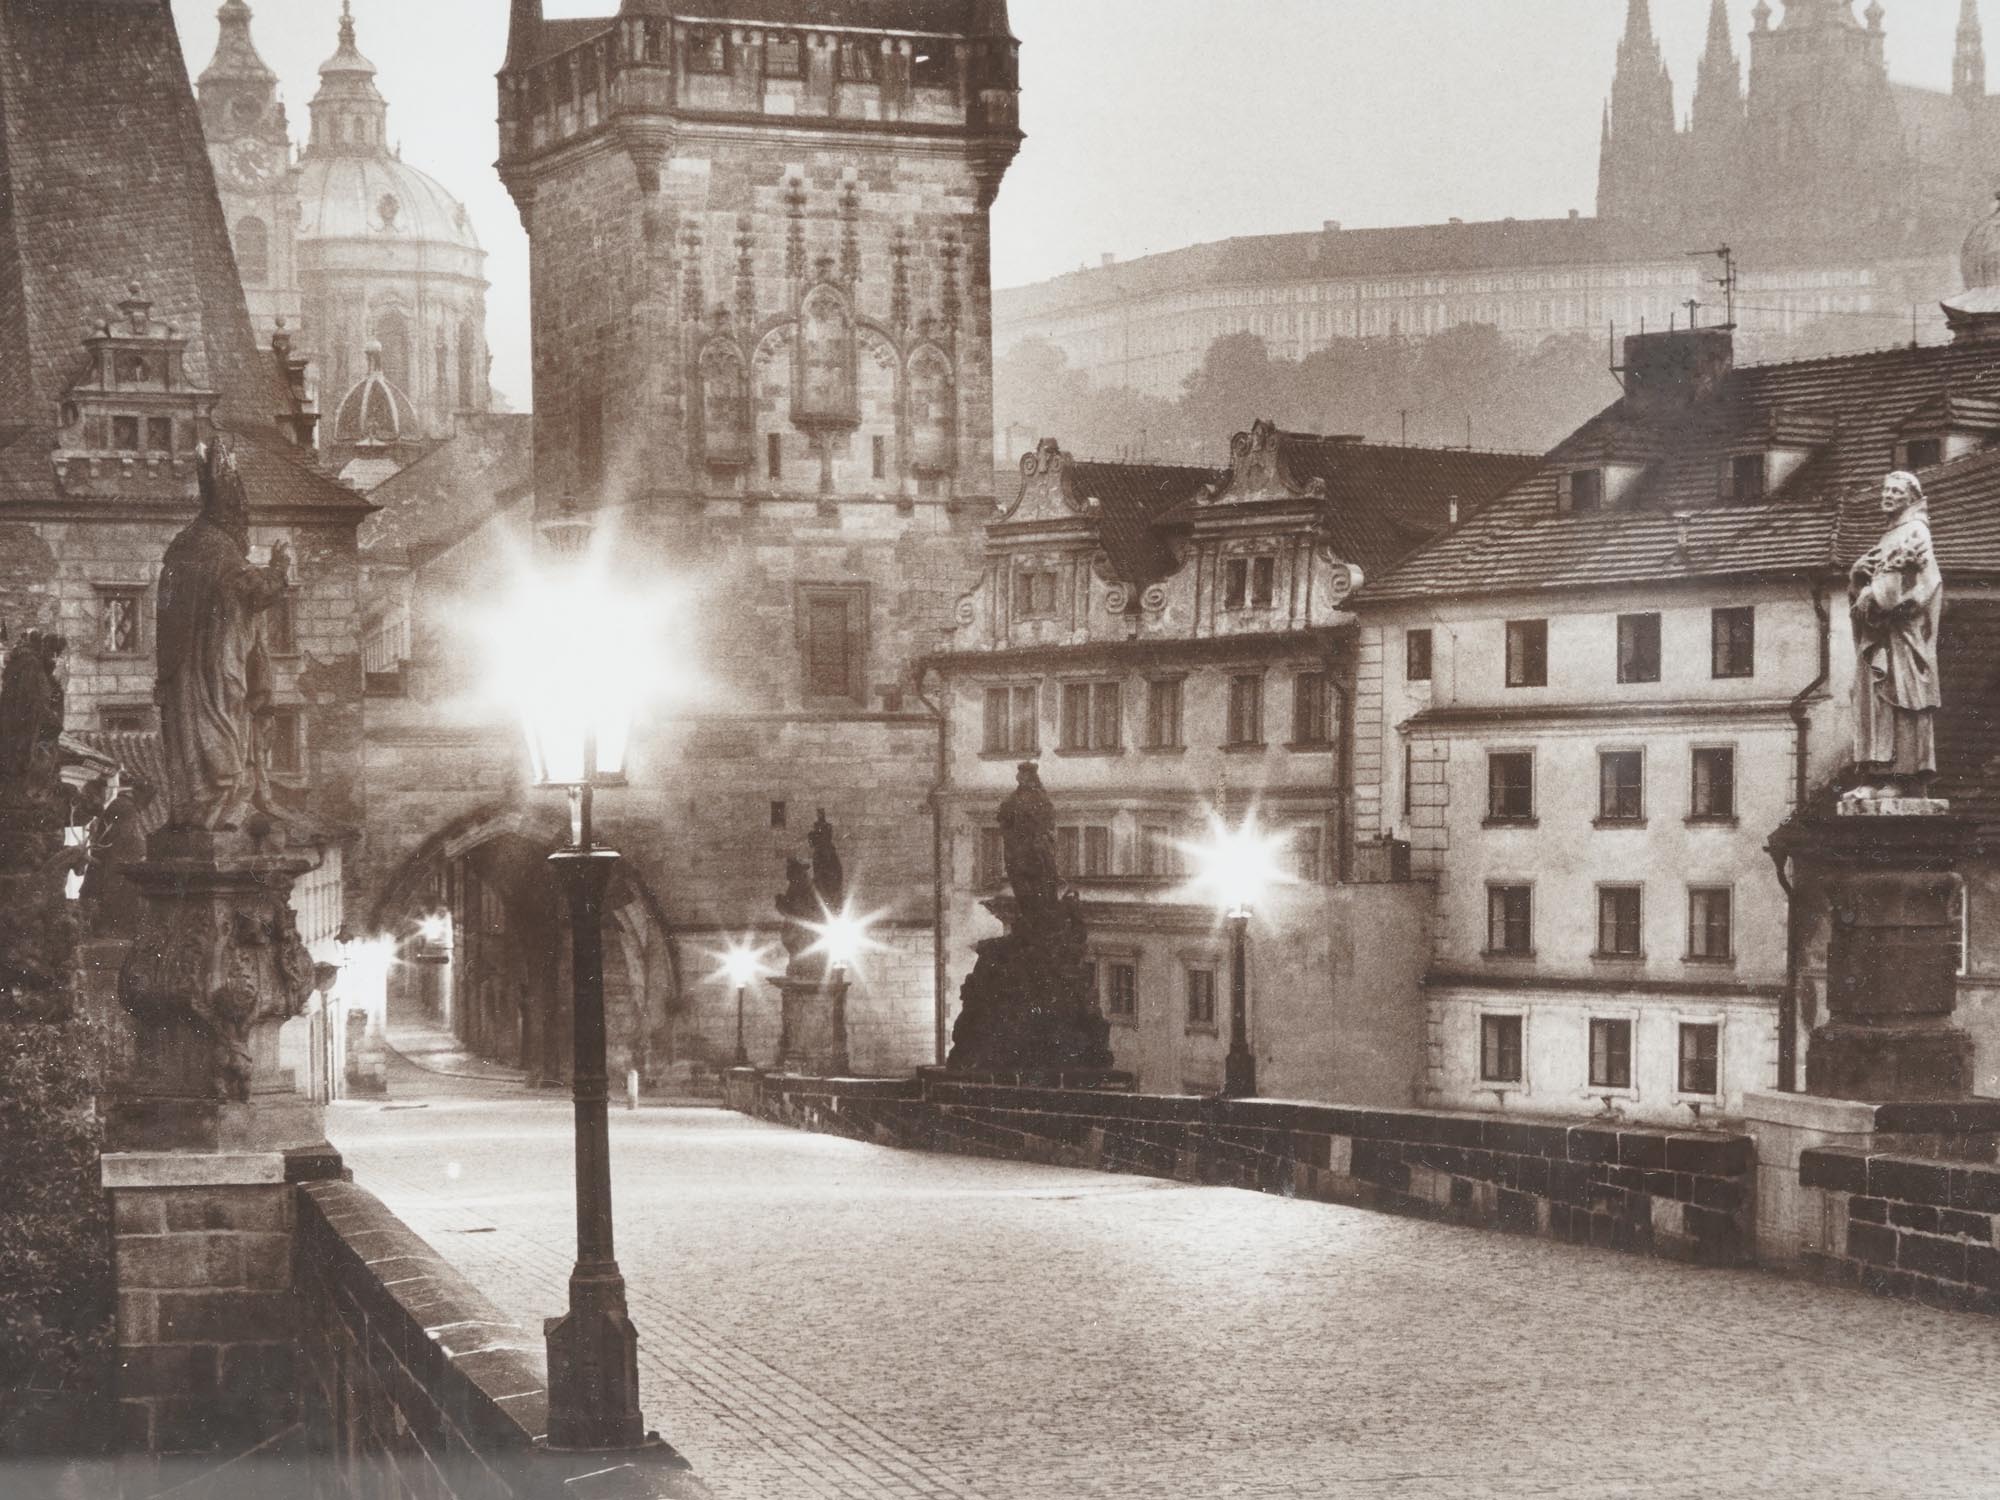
x=1895, y=597
x=811, y=892
x=212, y=668
x=1029, y=1005
x=38, y=925
x=31, y=716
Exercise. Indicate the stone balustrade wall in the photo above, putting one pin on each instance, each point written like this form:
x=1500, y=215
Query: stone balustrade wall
x=1682, y=1194
x=1906, y=1225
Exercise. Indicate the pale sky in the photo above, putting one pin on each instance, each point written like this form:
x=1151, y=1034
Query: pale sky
x=1151, y=123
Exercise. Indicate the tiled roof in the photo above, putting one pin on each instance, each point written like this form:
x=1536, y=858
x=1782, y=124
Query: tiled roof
x=1964, y=501
x=454, y=488
x=1382, y=501
x=1851, y=406
x=1968, y=727
x=108, y=183
x=1131, y=497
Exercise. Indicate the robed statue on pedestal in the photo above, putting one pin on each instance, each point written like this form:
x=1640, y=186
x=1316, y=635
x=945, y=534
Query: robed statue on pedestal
x=213, y=673
x=1895, y=599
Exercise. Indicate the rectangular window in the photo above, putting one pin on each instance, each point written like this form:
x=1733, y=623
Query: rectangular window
x=1921, y=453
x=281, y=632
x=1618, y=921
x=1201, y=999
x=1121, y=990
x=1163, y=713
x=284, y=748
x=1263, y=581
x=1712, y=793
x=160, y=434
x=1621, y=785
x=1500, y=1049
x=1311, y=702
x=1416, y=656
x=1732, y=642
x=1698, y=1051
x=120, y=632
x=1307, y=841
x=1583, y=490
x=125, y=434
x=1527, y=653
x=1710, y=921
x=774, y=455
x=1069, y=849
x=932, y=65
x=991, y=863
x=783, y=57
x=707, y=49
x=858, y=61
x=1035, y=594
x=1090, y=716
x=1509, y=919
x=1510, y=785
x=1638, y=648
x=1235, y=582
x=1610, y=1054
x=832, y=627
x=1096, y=850
x=1158, y=854
x=1746, y=477
x=1008, y=726
x=1246, y=709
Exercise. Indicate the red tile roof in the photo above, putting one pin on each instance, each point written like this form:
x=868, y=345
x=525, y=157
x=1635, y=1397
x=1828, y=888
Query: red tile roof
x=1852, y=407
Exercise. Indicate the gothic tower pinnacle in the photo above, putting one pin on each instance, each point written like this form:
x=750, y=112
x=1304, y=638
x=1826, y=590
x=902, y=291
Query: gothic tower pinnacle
x=1718, y=84
x=1968, y=63
x=1639, y=166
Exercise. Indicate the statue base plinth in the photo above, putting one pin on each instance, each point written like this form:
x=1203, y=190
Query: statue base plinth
x=1886, y=1063
x=1892, y=807
x=814, y=1012
x=215, y=970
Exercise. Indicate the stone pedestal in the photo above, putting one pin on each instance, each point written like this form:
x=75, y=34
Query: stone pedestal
x=814, y=1038
x=216, y=969
x=1892, y=985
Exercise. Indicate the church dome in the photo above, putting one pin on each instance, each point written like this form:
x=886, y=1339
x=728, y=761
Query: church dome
x=378, y=197
x=1979, y=257
x=375, y=411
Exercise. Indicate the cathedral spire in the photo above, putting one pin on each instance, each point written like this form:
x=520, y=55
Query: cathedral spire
x=1639, y=167
x=1718, y=84
x=524, y=34
x=1968, y=63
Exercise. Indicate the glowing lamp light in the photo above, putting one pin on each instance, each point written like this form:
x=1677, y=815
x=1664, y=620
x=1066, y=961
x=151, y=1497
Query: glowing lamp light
x=1236, y=867
x=741, y=965
x=843, y=937
x=435, y=929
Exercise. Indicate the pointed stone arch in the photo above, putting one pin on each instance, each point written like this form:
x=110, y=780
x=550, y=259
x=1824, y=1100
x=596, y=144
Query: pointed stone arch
x=931, y=405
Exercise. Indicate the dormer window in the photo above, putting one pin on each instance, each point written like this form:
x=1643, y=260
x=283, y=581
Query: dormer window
x=1249, y=582
x=1580, y=491
x=1035, y=594
x=1744, y=480
x=1920, y=453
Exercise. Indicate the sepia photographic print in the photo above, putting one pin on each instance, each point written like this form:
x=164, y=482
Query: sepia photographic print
x=999, y=749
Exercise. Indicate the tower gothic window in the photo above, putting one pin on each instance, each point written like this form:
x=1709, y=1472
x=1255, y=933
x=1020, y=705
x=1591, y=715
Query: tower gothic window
x=826, y=335
x=253, y=251
x=930, y=411
x=725, y=407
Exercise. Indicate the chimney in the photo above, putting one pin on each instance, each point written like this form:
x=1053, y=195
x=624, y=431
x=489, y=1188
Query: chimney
x=1330, y=226
x=1676, y=369
x=1107, y=258
x=1574, y=215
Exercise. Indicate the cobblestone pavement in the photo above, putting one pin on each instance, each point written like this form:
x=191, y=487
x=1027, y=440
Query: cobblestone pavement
x=823, y=1318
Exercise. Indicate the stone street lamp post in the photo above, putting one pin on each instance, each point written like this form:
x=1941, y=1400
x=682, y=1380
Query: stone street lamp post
x=741, y=966
x=577, y=712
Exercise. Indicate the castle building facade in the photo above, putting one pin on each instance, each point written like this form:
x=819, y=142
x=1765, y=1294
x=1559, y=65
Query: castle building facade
x=373, y=265
x=762, y=354
x=1841, y=194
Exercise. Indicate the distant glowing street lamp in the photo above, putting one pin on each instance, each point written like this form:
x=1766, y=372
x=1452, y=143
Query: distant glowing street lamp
x=842, y=937
x=573, y=687
x=1235, y=868
x=741, y=965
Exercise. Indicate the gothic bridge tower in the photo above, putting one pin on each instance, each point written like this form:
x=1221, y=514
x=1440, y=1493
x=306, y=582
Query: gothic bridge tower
x=761, y=321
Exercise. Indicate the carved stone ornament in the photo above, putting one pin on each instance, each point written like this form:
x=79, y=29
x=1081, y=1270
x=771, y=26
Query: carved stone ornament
x=965, y=612
x=217, y=962
x=1154, y=599
x=1117, y=599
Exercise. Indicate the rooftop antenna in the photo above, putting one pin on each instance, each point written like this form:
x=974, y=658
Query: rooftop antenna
x=1693, y=305
x=1913, y=325
x=1404, y=412
x=1727, y=281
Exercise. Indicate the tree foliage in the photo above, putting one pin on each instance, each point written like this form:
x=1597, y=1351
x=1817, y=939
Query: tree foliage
x=55, y=1241
x=1469, y=381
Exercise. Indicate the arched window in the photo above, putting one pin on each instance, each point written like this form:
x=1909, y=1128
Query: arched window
x=392, y=332
x=725, y=407
x=253, y=251
x=826, y=337
x=932, y=423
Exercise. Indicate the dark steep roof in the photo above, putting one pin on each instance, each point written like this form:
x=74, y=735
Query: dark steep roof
x=1131, y=498
x=105, y=181
x=1848, y=410
x=1964, y=499
x=1968, y=725
x=455, y=488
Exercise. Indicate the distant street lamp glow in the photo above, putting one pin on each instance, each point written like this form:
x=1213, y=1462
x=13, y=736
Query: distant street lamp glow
x=741, y=965
x=843, y=937
x=435, y=929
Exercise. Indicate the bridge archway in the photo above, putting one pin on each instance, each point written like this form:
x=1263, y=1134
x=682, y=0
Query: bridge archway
x=483, y=936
